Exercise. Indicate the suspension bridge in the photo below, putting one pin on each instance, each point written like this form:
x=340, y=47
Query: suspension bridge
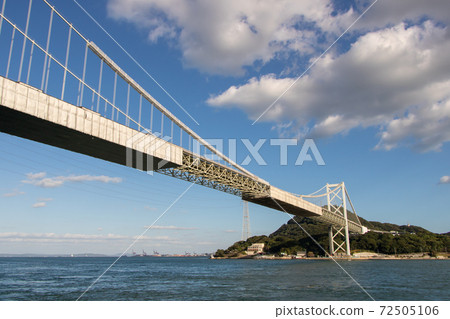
x=59, y=88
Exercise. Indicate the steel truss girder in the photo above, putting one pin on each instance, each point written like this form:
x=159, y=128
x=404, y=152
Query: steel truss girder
x=338, y=220
x=201, y=171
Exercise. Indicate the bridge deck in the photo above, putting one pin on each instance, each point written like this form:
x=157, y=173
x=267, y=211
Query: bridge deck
x=29, y=113
x=285, y=201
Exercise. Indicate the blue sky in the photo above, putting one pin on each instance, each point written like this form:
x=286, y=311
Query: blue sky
x=377, y=105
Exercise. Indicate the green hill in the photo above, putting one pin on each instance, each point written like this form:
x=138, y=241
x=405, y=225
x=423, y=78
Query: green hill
x=291, y=238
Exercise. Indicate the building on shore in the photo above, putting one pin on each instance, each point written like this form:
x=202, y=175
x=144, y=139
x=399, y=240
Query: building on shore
x=256, y=248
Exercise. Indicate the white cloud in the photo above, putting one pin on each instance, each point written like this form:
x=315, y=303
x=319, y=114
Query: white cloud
x=170, y=227
x=385, y=13
x=396, y=79
x=39, y=204
x=73, y=238
x=42, y=202
x=40, y=179
x=444, y=180
x=223, y=36
x=13, y=193
x=428, y=127
x=39, y=175
x=395, y=76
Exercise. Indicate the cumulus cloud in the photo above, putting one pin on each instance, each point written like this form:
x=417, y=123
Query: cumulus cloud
x=394, y=76
x=170, y=227
x=428, y=127
x=40, y=179
x=396, y=79
x=444, y=180
x=386, y=13
x=223, y=36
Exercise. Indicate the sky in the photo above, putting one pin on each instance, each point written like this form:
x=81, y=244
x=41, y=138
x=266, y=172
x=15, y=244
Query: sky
x=367, y=81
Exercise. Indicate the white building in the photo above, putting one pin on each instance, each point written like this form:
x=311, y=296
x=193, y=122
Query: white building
x=256, y=248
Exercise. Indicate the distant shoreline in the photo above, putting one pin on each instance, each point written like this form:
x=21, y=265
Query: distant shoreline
x=336, y=258
x=386, y=257
x=98, y=256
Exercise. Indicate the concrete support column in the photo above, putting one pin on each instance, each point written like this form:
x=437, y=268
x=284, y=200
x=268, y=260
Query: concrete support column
x=330, y=235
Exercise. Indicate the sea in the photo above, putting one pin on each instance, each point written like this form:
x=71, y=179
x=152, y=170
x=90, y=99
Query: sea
x=200, y=278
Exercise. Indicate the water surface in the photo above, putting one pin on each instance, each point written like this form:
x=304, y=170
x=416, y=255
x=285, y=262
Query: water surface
x=171, y=278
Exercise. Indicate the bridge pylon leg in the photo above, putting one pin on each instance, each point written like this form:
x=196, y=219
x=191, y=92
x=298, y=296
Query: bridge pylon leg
x=341, y=233
x=344, y=205
x=331, y=238
x=339, y=240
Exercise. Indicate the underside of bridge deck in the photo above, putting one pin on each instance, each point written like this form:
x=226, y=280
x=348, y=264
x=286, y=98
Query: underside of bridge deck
x=33, y=128
x=280, y=205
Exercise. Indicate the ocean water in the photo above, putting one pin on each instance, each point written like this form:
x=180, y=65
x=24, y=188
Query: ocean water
x=172, y=278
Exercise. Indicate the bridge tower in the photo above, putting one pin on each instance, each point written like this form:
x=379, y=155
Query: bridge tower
x=337, y=204
x=245, y=221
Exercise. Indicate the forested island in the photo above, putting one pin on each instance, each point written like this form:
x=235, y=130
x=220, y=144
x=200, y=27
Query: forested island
x=390, y=239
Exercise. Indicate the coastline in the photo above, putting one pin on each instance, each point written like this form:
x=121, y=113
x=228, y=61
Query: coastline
x=341, y=257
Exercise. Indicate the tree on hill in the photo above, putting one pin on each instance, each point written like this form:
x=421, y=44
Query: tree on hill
x=290, y=238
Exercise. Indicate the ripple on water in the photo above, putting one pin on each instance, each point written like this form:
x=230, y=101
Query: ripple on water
x=205, y=279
